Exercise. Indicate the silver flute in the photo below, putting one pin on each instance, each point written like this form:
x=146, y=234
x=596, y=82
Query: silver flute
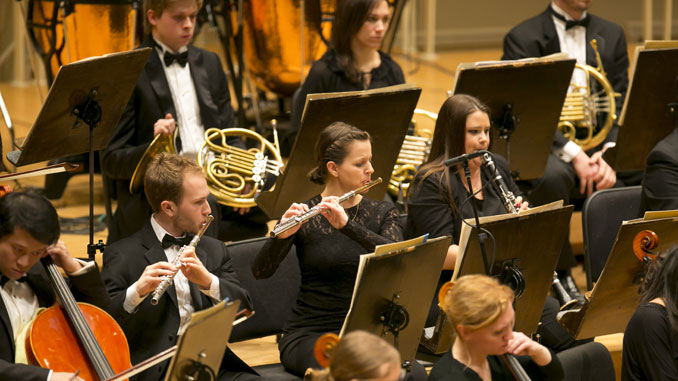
x=314, y=211
x=167, y=279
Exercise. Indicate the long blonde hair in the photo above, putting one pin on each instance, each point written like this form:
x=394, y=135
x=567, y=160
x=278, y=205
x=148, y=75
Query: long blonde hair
x=476, y=301
x=359, y=355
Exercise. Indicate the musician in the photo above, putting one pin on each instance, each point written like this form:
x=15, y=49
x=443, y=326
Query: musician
x=181, y=87
x=567, y=26
x=29, y=230
x=329, y=247
x=481, y=312
x=134, y=266
x=437, y=201
x=361, y=355
x=651, y=337
x=660, y=180
x=353, y=62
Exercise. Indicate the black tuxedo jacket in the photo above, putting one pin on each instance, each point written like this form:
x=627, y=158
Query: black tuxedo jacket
x=87, y=287
x=537, y=37
x=152, y=100
x=660, y=181
x=151, y=329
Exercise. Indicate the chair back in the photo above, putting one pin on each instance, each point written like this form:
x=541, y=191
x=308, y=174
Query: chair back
x=272, y=298
x=602, y=215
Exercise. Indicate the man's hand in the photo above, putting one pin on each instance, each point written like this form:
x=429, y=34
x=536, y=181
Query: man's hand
x=164, y=126
x=62, y=257
x=585, y=172
x=245, y=190
x=194, y=270
x=605, y=177
x=152, y=276
x=62, y=376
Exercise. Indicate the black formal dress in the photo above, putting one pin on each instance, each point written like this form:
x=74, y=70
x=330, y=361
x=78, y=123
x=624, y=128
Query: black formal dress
x=326, y=76
x=152, y=100
x=650, y=346
x=660, y=181
x=151, y=329
x=430, y=211
x=537, y=37
x=449, y=369
x=328, y=259
x=87, y=287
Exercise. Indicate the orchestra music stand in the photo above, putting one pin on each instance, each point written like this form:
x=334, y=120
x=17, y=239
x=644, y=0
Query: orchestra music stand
x=393, y=291
x=83, y=107
x=385, y=113
x=650, y=109
x=525, y=265
x=614, y=297
x=525, y=99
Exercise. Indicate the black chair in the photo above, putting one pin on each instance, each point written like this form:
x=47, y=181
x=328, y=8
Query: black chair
x=590, y=361
x=602, y=215
x=272, y=299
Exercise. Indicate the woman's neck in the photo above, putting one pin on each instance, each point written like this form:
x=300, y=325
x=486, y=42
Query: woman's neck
x=476, y=181
x=364, y=58
x=472, y=359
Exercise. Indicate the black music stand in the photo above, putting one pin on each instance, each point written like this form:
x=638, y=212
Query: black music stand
x=650, y=109
x=200, y=345
x=526, y=266
x=614, y=297
x=385, y=113
x=393, y=291
x=525, y=98
x=83, y=107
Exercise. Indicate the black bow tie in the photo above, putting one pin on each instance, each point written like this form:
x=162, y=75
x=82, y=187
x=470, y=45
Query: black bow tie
x=168, y=240
x=4, y=279
x=569, y=24
x=181, y=58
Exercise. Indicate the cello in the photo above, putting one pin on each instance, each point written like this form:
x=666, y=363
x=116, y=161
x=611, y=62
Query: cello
x=74, y=337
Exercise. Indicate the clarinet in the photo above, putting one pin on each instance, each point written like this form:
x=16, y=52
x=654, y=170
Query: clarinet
x=506, y=195
x=167, y=279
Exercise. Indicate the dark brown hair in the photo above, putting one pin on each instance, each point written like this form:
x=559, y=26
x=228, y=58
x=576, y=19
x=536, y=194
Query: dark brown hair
x=159, y=6
x=349, y=17
x=164, y=178
x=661, y=281
x=449, y=139
x=332, y=145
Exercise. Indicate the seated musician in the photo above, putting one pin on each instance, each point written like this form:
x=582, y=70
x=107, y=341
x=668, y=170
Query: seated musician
x=650, y=350
x=353, y=62
x=29, y=230
x=660, y=180
x=481, y=312
x=437, y=200
x=329, y=246
x=362, y=356
x=182, y=88
x=134, y=266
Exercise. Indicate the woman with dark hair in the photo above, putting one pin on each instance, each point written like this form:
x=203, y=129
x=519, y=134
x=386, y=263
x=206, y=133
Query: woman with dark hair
x=650, y=349
x=438, y=200
x=329, y=247
x=353, y=61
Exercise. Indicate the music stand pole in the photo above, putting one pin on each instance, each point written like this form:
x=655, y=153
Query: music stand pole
x=481, y=235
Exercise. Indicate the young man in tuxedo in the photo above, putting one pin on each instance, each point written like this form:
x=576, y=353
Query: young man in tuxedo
x=134, y=266
x=567, y=26
x=181, y=88
x=29, y=230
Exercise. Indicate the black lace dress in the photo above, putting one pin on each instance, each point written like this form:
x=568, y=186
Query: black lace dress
x=328, y=260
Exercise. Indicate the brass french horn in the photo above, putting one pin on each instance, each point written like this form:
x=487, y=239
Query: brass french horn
x=579, y=116
x=413, y=154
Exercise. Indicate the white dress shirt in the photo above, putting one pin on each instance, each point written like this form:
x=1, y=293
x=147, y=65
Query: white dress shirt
x=185, y=99
x=181, y=285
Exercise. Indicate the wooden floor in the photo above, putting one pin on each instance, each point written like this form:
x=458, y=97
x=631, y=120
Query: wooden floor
x=24, y=102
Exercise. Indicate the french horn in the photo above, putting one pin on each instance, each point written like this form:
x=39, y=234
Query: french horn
x=412, y=155
x=579, y=116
